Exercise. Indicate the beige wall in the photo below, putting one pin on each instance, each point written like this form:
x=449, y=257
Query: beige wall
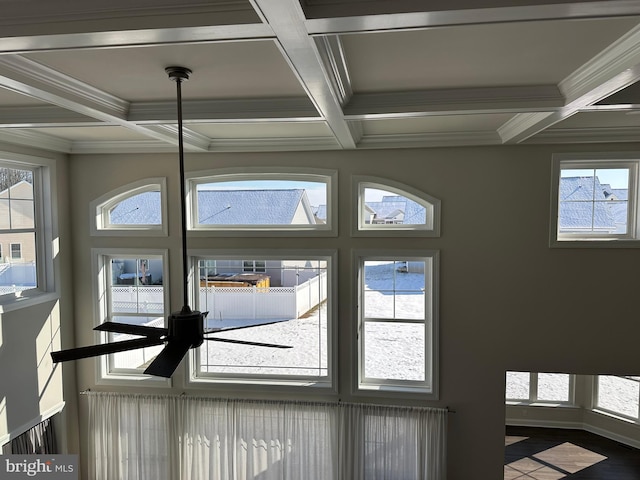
x=507, y=301
x=31, y=387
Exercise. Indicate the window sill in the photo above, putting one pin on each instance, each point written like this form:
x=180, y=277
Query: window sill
x=541, y=404
x=617, y=417
x=393, y=390
x=249, y=383
x=29, y=299
x=599, y=243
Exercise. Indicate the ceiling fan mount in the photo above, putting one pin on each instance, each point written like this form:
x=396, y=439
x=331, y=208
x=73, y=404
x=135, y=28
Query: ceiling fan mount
x=185, y=329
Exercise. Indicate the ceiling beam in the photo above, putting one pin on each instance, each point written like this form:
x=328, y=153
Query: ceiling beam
x=615, y=68
x=286, y=19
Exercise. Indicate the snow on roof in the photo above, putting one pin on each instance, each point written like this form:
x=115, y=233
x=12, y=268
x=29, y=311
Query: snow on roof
x=141, y=209
x=248, y=207
x=577, y=207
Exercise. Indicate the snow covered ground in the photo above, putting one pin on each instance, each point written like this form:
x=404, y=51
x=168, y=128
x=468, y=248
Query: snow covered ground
x=389, y=293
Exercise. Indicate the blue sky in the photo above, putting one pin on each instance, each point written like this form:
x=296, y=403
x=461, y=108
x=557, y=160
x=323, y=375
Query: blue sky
x=616, y=177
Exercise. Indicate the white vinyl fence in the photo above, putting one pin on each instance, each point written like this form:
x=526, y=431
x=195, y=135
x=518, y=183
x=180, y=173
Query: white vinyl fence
x=270, y=303
x=222, y=303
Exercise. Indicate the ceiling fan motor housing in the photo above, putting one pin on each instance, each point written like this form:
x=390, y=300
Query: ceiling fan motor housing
x=187, y=327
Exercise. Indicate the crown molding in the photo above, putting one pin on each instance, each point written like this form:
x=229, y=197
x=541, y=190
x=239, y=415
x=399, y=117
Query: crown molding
x=586, y=135
x=210, y=111
x=454, y=101
x=594, y=78
x=35, y=139
x=274, y=144
x=43, y=116
x=121, y=146
x=422, y=140
x=192, y=140
x=523, y=122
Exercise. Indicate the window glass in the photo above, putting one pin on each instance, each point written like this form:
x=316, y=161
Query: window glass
x=553, y=387
x=18, y=264
x=531, y=387
x=594, y=201
x=264, y=201
x=387, y=206
x=274, y=301
x=141, y=209
x=518, y=385
x=396, y=322
x=138, y=208
x=135, y=295
x=619, y=395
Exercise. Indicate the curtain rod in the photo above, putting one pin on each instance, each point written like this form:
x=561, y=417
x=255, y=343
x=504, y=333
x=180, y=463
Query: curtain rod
x=339, y=402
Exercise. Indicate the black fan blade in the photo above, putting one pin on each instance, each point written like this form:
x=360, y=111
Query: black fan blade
x=103, y=349
x=244, y=342
x=223, y=329
x=168, y=359
x=143, y=330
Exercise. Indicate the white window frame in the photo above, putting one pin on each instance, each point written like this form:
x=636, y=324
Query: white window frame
x=429, y=388
x=611, y=413
x=533, y=392
x=235, y=382
x=360, y=228
x=630, y=160
x=101, y=258
x=46, y=231
x=99, y=210
x=329, y=177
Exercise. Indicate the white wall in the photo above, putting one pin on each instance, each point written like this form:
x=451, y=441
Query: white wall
x=508, y=301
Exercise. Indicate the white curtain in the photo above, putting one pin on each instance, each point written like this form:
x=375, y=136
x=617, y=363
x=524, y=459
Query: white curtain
x=138, y=437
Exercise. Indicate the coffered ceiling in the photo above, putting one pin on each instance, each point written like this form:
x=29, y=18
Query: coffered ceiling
x=88, y=77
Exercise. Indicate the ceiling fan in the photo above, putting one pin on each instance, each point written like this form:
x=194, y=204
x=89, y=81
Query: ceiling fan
x=186, y=327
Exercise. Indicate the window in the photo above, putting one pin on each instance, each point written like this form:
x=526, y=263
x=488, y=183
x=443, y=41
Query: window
x=595, y=199
x=397, y=327
x=254, y=266
x=131, y=291
x=618, y=395
x=135, y=209
x=288, y=304
x=16, y=251
x=274, y=202
x=533, y=387
x=385, y=207
x=26, y=231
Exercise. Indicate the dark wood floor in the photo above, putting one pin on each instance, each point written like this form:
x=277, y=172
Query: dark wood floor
x=553, y=454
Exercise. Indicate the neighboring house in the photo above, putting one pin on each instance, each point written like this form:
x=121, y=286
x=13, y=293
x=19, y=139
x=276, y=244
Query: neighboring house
x=16, y=214
x=254, y=207
x=588, y=205
x=391, y=209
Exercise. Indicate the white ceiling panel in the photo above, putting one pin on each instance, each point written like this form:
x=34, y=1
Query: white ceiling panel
x=528, y=53
x=220, y=70
x=317, y=74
